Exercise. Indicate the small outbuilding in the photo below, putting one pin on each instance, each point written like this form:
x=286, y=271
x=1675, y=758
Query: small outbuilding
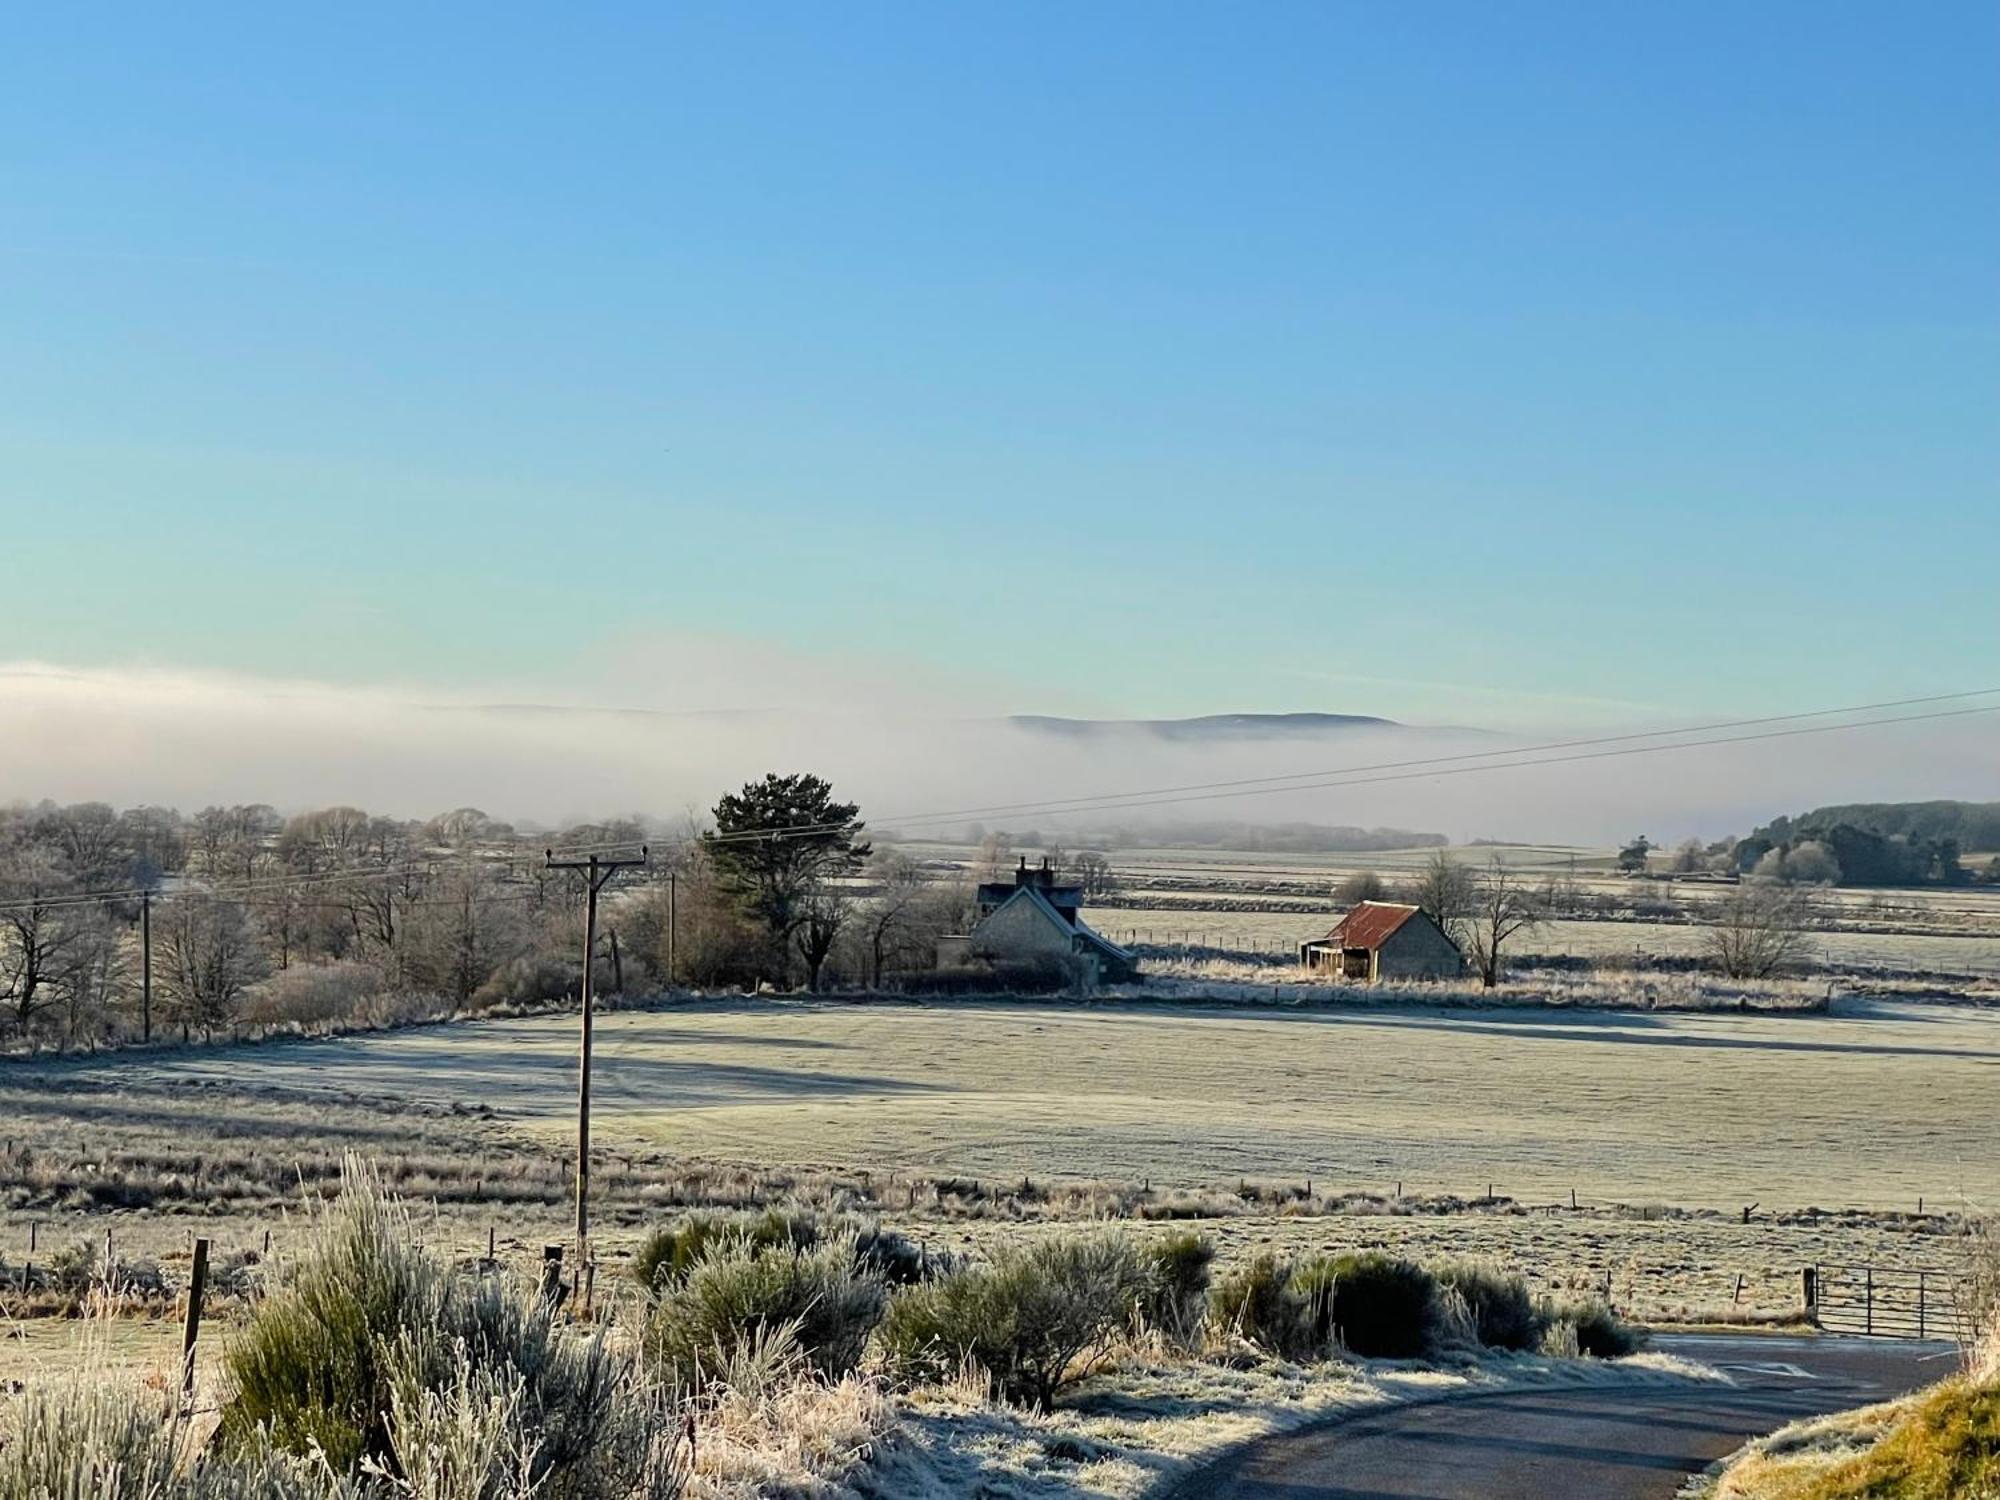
x=1384, y=940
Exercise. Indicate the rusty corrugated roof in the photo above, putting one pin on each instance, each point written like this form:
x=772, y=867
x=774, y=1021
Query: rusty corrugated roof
x=1371, y=924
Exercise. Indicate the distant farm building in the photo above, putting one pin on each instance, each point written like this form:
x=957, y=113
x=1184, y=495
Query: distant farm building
x=1031, y=920
x=1384, y=940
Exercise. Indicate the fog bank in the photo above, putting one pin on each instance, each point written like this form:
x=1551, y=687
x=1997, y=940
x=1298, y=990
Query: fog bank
x=192, y=739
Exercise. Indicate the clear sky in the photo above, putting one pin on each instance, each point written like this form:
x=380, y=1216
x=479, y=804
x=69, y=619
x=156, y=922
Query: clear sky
x=1459, y=362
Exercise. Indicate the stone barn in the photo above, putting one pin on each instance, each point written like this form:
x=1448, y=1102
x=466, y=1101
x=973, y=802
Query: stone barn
x=1383, y=940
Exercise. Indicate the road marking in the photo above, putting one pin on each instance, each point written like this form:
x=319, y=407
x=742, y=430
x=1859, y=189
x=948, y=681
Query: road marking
x=1771, y=1367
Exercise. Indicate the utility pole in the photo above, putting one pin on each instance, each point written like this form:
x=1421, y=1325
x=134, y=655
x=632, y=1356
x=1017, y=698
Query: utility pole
x=146, y=966
x=597, y=874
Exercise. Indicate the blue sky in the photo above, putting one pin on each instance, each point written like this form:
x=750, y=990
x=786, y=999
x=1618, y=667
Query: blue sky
x=1511, y=364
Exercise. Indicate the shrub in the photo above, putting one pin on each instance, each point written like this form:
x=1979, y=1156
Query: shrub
x=738, y=1292
x=1498, y=1305
x=308, y=1370
x=314, y=994
x=531, y=979
x=1261, y=1304
x=107, y=1440
x=1033, y=1320
x=1176, y=1299
x=68, y=1438
x=1597, y=1331
x=666, y=1255
x=71, y=1269
x=1376, y=1305
x=374, y=1357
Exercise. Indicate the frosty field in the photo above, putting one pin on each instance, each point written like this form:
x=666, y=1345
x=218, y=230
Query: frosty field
x=1871, y=1106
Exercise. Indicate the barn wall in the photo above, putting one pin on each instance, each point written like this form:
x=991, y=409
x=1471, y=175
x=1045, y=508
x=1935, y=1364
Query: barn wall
x=1417, y=950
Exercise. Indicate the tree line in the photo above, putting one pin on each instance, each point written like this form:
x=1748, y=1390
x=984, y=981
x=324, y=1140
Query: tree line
x=123, y=925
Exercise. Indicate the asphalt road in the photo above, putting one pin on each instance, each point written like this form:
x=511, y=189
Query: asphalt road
x=1594, y=1443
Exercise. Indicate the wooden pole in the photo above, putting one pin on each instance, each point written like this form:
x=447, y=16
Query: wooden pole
x=673, y=926
x=191, y=1326
x=583, y=1074
x=597, y=873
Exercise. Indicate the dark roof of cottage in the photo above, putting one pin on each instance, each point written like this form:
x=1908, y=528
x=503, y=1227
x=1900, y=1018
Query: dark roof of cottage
x=1066, y=899
x=1371, y=924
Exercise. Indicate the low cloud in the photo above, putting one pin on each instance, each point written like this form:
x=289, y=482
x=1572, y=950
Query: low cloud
x=189, y=739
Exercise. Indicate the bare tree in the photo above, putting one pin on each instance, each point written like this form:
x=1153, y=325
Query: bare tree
x=456, y=937
x=1760, y=930
x=157, y=840
x=1092, y=870
x=1446, y=892
x=41, y=925
x=822, y=914
x=899, y=889
x=1504, y=907
x=226, y=841
x=91, y=842
x=207, y=954
x=93, y=977
x=996, y=856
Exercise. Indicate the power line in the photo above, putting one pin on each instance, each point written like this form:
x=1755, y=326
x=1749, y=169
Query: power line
x=1468, y=763
x=1413, y=770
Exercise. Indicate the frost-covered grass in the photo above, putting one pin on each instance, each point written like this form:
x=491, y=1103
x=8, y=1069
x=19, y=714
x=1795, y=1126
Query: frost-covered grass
x=1246, y=982
x=1633, y=1107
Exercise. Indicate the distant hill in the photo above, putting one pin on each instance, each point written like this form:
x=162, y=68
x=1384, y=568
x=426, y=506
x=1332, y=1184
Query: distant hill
x=1208, y=727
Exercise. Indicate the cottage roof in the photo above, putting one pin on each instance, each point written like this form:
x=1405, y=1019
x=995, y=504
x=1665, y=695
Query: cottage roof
x=1370, y=924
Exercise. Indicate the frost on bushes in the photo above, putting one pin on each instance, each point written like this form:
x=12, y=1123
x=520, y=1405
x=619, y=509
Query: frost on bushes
x=88, y=1438
x=737, y=1292
x=1260, y=1304
x=371, y=1343
x=666, y=1255
x=1175, y=1304
x=309, y=1371
x=529, y=979
x=1589, y=1327
x=1372, y=1305
x=315, y=995
x=1034, y=1320
x=1499, y=1311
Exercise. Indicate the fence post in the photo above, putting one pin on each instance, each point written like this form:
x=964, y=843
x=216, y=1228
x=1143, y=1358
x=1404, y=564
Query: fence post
x=1810, y=1277
x=1921, y=1325
x=191, y=1326
x=552, y=1258
x=1870, y=1285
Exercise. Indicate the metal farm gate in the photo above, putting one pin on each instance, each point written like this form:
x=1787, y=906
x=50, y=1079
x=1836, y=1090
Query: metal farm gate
x=1883, y=1302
